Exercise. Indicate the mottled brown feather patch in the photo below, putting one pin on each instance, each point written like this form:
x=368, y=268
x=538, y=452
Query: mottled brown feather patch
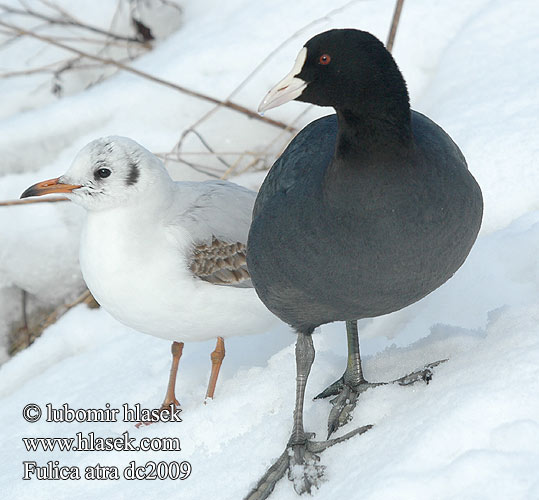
x=221, y=263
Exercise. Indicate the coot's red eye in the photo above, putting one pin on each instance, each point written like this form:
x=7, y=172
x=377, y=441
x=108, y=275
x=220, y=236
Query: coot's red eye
x=324, y=59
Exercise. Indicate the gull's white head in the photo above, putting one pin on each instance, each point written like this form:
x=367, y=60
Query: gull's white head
x=107, y=173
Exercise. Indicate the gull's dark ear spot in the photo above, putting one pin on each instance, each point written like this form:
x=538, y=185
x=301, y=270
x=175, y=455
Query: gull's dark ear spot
x=134, y=173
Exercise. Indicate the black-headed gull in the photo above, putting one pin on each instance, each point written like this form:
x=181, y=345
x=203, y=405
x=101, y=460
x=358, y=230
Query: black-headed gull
x=153, y=251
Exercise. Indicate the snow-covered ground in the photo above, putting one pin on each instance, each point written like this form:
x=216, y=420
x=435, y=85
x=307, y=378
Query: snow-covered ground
x=472, y=433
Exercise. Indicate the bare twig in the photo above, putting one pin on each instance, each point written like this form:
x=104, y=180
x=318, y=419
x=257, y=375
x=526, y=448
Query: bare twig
x=208, y=147
x=261, y=156
x=228, y=172
x=394, y=25
x=174, y=5
x=96, y=41
x=203, y=169
x=112, y=27
x=25, y=336
x=142, y=74
x=85, y=297
x=25, y=329
x=29, y=201
x=9, y=41
x=57, y=8
x=54, y=68
x=68, y=21
x=48, y=68
x=210, y=153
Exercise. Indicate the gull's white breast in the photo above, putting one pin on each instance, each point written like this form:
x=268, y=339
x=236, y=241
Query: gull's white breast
x=139, y=272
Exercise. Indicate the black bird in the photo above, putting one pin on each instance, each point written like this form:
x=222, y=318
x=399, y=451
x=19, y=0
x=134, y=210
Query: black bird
x=366, y=212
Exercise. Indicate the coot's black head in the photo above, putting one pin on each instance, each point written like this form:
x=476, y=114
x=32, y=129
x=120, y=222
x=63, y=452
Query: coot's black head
x=344, y=68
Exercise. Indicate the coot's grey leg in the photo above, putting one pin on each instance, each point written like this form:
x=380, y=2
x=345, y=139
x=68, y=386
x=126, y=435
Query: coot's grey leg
x=353, y=375
x=299, y=458
x=349, y=386
x=352, y=383
x=304, y=360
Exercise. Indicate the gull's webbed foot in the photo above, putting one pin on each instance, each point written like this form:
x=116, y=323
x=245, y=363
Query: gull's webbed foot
x=170, y=405
x=301, y=462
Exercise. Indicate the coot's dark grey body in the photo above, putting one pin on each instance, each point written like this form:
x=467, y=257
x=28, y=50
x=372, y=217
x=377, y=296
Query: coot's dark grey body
x=331, y=242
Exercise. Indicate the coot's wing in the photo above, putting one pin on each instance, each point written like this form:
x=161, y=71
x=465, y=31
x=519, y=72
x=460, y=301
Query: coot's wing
x=435, y=144
x=309, y=152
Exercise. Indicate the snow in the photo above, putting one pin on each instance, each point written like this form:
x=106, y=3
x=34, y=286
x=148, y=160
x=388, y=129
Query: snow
x=472, y=433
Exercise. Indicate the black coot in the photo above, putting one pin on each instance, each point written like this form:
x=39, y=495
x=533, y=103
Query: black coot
x=366, y=212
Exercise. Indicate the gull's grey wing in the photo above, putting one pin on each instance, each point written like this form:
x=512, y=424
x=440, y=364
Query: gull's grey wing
x=216, y=216
x=213, y=209
x=221, y=263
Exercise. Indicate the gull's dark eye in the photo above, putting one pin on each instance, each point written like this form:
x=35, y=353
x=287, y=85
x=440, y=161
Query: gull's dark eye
x=102, y=173
x=324, y=59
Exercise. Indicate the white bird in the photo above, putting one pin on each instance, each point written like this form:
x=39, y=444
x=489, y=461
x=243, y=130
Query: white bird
x=153, y=250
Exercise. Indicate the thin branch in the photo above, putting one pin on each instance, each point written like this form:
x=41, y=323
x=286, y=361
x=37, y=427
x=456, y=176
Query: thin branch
x=142, y=74
x=57, y=8
x=85, y=297
x=174, y=5
x=66, y=22
x=210, y=153
x=12, y=38
x=259, y=157
x=203, y=169
x=48, y=68
x=208, y=147
x=25, y=329
x=54, y=68
x=96, y=41
x=394, y=25
x=22, y=338
x=112, y=26
x=29, y=201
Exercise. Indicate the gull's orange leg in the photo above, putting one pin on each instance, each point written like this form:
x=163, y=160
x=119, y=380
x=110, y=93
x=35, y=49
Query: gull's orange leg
x=217, y=357
x=170, y=396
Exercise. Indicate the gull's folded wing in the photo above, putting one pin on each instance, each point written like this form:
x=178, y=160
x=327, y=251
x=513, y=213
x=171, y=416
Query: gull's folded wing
x=221, y=263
